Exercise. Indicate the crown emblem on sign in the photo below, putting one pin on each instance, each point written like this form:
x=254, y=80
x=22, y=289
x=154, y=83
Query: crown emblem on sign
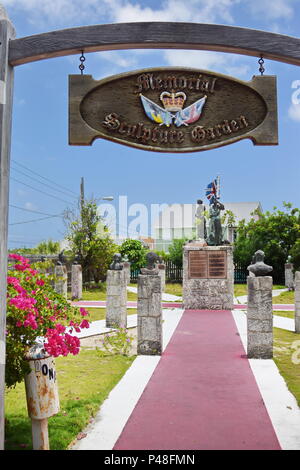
x=173, y=101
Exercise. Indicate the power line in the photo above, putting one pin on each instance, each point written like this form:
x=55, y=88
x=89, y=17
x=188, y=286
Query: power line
x=39, y=190
x=34, y=220
x=41, y=176
x=33, y=211
x=40, y=182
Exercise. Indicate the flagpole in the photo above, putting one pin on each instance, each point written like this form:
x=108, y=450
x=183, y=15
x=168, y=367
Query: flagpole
x=218, y=187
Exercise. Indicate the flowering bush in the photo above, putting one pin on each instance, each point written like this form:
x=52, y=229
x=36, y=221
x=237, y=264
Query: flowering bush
x=116, y=342
x=35, y=310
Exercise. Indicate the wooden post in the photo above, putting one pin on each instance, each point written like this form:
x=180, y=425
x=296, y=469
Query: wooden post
x=7, y=32
x=40, y=437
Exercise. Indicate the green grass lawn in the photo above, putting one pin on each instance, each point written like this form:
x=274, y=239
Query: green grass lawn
x=100, y=313
x=285, y=298
x=99, y=293
x=241, y=289
x=84, y=382
x=284, y=313
x=285, y=361
x=173, y=289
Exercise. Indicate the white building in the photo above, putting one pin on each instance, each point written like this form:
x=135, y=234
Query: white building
x=178, y=221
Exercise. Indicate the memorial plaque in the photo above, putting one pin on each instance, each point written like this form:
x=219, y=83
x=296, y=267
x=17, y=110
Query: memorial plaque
x=207, y=265
x=198, y=266
x=172, y=109
x=217, y=265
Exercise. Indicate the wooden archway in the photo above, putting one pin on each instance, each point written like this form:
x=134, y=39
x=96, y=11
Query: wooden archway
x=155, y=35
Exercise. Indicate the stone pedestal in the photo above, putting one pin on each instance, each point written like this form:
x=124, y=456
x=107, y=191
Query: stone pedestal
x=289, y=275
x=149, y=315
x=162, y=275
x=260, y=317
x=116, y=299
x=297, y=301
x=76, y=282
x=61, y=280
x=208, y=277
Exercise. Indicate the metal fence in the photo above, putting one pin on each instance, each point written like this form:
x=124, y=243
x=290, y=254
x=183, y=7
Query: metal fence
x=175, y=274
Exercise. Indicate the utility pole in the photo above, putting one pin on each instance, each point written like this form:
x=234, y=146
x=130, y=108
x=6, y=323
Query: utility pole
x=81, y=194
x=7, y=32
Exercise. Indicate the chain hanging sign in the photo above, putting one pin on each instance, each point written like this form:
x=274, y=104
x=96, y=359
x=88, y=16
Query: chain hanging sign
x=172, y=109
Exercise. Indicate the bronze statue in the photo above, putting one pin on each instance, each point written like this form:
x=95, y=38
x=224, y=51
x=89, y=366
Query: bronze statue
x=200, y=221
x=215, y=233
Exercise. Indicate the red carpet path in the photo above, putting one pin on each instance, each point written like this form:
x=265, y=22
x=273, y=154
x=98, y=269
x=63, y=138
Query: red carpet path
x=202, y=395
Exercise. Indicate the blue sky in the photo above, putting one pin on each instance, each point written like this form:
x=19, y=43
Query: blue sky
x=40, y=118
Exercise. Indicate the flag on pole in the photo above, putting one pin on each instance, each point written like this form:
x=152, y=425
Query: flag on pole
x=212, y=191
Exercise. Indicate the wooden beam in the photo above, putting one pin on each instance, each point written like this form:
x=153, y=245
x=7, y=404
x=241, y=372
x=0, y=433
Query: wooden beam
x=6, y=93
x=155, y=35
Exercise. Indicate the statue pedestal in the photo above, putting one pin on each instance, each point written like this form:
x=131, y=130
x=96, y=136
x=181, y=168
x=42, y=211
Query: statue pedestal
x=208, y=277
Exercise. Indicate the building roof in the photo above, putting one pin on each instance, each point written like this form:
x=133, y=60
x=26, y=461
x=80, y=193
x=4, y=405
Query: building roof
x=183, y=215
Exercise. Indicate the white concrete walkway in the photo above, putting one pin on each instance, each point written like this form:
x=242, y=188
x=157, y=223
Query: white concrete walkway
x=116, y=409
x=280, y=403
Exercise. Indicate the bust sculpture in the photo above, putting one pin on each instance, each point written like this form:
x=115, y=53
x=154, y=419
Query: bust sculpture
x=152, y=259
x=258, y=267
x=61, y=259
x=116, y=265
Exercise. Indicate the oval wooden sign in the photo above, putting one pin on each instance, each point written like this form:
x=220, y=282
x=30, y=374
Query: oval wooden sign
x=172, y=109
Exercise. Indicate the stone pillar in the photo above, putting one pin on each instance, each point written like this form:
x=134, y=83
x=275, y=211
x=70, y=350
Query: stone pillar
x=61, y=280
x=116, y=298
x=126, y=268
x=297, y=301
x=149, y=315
x=289, y=275
x=260, y=317
x=162, y=275
x=76, y=282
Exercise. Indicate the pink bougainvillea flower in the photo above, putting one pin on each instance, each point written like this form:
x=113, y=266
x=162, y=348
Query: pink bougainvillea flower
x=75, y=326
x=83, y=312
x=84, y=324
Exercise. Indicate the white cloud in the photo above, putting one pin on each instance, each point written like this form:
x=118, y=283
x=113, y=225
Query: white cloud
x=76, y=12
x=225, y=63
x=272, y=10
x=59, y=12
x=30, y=206
x=202, y=11
x=122, y=60
x=294, y=112
x=64, y=12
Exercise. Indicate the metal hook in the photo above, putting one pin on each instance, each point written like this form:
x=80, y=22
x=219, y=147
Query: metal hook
x=82, y=60
x=261, y=65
